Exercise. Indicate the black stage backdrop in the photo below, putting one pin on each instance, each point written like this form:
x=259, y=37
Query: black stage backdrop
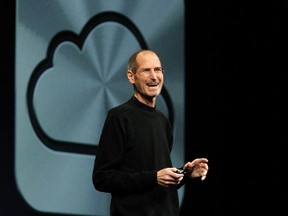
x=236, y=93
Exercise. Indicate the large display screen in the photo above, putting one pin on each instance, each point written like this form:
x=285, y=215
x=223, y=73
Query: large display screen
x=70, y=69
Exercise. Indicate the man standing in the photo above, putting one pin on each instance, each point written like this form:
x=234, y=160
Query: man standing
x=133, y=160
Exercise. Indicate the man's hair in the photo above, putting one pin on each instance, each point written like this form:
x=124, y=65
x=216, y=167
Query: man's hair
x=132, y=63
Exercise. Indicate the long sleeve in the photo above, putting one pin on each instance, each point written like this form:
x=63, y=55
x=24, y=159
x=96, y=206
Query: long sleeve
x=112, y=170
x=135, y=143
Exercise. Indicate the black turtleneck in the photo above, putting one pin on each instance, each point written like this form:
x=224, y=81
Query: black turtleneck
x=135, y=143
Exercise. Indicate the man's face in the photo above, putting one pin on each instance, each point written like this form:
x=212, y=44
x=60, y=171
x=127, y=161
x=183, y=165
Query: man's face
x=148, y=79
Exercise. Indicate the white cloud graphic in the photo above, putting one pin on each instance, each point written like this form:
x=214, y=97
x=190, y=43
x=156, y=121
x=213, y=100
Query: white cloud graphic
x=83, y=76
x=72, y=97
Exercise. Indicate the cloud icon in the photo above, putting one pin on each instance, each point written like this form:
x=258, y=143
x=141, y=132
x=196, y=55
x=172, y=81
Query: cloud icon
x=81, y=78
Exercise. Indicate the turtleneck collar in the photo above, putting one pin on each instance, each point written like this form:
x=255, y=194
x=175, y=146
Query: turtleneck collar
x=141, y=105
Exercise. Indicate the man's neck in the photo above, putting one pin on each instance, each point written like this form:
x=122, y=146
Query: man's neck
x=151, y=102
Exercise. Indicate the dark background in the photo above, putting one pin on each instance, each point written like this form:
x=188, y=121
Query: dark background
x=236, y=113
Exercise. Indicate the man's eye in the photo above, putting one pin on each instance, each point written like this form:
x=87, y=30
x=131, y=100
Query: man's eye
x=149, y=70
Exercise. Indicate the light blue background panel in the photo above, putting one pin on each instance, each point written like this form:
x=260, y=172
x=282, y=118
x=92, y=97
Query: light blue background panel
x=70, y=68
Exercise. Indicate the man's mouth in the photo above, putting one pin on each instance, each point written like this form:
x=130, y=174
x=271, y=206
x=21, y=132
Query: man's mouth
x=152, y=84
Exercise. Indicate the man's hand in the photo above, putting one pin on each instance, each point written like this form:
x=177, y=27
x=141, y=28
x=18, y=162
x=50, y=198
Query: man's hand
x=168, y=177
x=198, y=168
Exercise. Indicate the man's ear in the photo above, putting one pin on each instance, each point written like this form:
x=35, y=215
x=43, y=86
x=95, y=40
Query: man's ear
x=130, y=76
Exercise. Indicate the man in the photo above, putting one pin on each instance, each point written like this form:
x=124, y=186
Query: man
x=133, y=158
